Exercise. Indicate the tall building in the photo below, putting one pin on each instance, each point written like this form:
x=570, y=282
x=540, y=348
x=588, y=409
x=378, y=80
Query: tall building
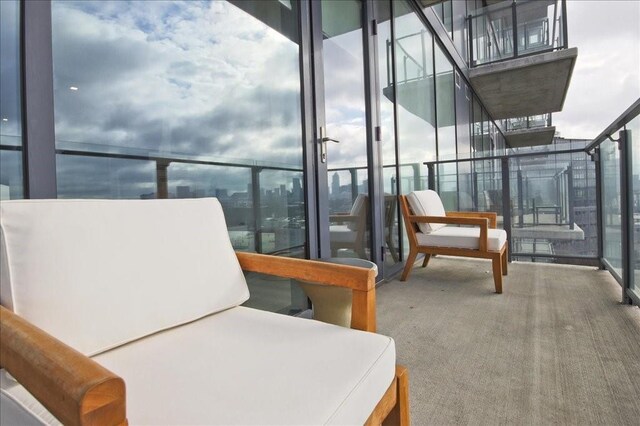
x=335, y=184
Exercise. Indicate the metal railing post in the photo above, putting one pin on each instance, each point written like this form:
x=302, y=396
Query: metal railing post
x=506, y=201
x=162, y=184
x=565, y=41
x=354, y=184
x=432, y=176
x=514, y=17
x=570, y=197
x=595, y=157
x=471, y=60
x=520, y=200
x=626, y=210
x=255, y=204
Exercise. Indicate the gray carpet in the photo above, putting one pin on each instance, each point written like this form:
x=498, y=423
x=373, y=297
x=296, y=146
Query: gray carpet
x=556, y=347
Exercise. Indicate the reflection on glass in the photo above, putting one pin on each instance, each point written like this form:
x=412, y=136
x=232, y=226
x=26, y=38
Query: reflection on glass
x=415, y=97
x=388, y=142
x=11, y=181
x=343, y=57
x=446, y=117
x=171, y=99
x=105, y=177
x=612, y=224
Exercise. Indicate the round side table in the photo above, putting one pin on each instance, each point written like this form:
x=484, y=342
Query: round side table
x=333, y=304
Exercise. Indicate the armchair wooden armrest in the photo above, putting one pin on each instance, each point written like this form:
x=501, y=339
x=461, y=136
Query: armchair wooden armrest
x=492, y=216
x=343, y=217
x=482, y=222
x=73, y=387
x=360, y=280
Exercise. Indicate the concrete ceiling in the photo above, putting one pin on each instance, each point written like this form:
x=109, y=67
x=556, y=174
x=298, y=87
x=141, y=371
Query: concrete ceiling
x=525, y=86
x=530, y=137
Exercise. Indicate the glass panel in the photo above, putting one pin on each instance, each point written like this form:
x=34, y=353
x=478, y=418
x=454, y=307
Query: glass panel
x=553, y=205
x=443, y=10
x=388, y=142
x=634, y=127
x=11, y=177
x=186, y=99
x=446, y=117
x=415, y=99
x=346, y=121
x=612, y=232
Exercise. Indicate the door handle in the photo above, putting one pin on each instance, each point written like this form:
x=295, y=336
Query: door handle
x=323, y=144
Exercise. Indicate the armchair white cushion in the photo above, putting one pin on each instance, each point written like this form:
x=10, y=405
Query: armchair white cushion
x=427, y=203
x=150, y=290
x=468, y=238
x=68, y=264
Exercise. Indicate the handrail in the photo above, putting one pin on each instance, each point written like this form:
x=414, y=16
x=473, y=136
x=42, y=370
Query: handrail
x=629, y=114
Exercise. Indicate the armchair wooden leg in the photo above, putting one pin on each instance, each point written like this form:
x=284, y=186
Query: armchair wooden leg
x=505, y=259
x=407, y=268
x=427, y=256
x=400, y=414
x=497, y=273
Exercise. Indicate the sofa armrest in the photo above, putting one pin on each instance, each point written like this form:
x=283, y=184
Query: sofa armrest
x=482, y=222
x=492, y=216
x=73, y=387
x=360, y=280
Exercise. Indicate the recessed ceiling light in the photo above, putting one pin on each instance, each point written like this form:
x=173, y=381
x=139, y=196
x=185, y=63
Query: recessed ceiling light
x=74, y=88
x=5, y=119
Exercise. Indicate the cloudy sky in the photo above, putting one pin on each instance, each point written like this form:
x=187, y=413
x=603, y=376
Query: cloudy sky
x=606, y=78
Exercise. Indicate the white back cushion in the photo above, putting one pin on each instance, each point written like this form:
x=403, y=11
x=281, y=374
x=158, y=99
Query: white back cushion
x=100, y=273
x=427, y=203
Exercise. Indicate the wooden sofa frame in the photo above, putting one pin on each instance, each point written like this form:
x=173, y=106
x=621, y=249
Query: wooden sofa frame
x=78, y=391
x=484, y=220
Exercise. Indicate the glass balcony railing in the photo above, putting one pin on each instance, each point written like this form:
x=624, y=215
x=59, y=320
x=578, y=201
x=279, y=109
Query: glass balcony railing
x=524, y=123
x=616, y=151
x=263, y=201
x=544, y=199
x=510, y=30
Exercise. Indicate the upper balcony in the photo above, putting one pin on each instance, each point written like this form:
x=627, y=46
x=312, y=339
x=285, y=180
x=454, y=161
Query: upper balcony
x=528, y=131
x=519, y=50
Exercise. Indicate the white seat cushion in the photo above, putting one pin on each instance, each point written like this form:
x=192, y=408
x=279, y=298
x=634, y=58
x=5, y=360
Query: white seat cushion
x=451, y=236
x=99, y=273
x=342, y=234
x=250, y=367
x=427, y=203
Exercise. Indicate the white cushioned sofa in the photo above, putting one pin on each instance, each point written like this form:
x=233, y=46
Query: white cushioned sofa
x=129, y=311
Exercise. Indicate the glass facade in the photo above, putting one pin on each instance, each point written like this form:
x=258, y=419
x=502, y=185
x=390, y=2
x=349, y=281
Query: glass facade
x=11, y=175
x=205, y=99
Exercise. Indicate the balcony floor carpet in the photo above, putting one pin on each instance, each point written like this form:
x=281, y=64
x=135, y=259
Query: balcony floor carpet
x=556, y=347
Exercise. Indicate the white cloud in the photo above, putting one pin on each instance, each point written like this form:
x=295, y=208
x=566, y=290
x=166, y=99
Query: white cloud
x=606, y=78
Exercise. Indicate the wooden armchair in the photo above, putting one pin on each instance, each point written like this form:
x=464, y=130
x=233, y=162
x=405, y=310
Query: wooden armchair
x=143, y=298
x=348, y=230
x=426, y=224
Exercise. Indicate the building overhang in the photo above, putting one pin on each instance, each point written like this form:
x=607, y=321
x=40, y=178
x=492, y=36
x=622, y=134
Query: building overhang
x=530, y=137
x=526, y=86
